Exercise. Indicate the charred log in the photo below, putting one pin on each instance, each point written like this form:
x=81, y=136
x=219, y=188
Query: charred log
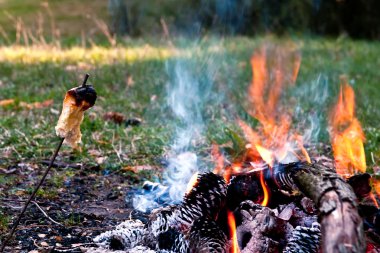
x=342, y=227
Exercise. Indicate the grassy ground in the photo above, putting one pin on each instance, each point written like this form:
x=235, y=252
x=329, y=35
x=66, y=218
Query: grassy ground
x=131, y=79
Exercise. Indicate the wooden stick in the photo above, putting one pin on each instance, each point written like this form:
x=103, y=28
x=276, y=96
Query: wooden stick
x=32, y=196
x=341, y=224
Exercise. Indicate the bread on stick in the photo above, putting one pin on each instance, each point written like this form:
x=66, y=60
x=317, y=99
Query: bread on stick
x=76, y=102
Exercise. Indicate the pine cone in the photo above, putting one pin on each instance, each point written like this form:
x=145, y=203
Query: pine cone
x=126, y=235
x=172, y=241
x=206, y=199
x=206, y=236
x=304, y=239
x=161, y=219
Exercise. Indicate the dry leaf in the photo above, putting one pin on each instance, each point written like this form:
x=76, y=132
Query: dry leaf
x=37, y=105
x=6, y=102
x=115, y=117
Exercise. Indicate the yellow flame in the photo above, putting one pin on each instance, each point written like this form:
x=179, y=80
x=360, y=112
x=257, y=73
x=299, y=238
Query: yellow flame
x=232, y=228
x=346, y=134
x=265, y=189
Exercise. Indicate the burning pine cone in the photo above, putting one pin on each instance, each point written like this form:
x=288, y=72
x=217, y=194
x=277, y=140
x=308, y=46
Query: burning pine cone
x=206, y=199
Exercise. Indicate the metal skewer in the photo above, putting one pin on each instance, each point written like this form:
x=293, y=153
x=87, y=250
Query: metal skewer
x=52, y=159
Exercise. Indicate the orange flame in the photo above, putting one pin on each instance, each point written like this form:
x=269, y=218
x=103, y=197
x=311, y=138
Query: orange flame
x=372, y=196
x=218, y=158
x=273, y=139
x=346, y=134
x=265, y=189
x=232, y=227
x=376, y=185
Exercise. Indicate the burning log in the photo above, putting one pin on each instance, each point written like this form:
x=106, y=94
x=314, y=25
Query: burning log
x=342, y=227
x=194, y=226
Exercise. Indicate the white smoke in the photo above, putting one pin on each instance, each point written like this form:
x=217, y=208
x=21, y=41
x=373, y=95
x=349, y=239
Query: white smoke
x=186, y=95
x=310, y=110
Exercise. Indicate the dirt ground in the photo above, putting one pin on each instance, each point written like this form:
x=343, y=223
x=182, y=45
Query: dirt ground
x=65, y=216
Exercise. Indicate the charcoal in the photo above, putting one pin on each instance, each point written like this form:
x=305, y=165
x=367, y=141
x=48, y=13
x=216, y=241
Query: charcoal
x=361, y=185
x=259, y=230
x=304, y=239
x=206, y=236
x=243, y=187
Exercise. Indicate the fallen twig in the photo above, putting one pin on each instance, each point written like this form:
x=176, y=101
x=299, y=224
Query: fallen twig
x=45, y=214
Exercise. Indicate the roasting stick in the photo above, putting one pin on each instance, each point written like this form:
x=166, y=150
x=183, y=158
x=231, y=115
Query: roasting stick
x=52, y=159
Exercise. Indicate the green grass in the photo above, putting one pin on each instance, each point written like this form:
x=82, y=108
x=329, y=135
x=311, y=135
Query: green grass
x=28, y=135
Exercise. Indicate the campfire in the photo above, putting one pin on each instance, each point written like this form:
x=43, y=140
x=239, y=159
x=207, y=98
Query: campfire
x=278, y=194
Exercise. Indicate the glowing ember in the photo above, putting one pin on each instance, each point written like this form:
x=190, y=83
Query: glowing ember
x=372, y=196
x=265, y=190
x=376, y=186
x=232, y=228
x=346, y=134
x=192, y=182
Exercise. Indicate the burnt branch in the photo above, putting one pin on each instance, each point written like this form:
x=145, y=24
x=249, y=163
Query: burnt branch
x=341, y=225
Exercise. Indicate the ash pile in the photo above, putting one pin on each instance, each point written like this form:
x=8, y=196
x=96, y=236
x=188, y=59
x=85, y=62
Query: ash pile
x=216, y=216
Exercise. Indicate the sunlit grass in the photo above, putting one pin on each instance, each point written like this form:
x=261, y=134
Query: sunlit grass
x=77, y=55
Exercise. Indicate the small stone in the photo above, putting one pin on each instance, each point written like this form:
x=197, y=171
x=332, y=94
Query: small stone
x=41, y=235
x=44, y=244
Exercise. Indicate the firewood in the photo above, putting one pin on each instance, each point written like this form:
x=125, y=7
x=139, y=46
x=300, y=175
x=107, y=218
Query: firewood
x=341, y=225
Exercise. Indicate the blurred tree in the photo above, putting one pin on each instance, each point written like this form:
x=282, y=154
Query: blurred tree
x=357, y=18
x=119, y=17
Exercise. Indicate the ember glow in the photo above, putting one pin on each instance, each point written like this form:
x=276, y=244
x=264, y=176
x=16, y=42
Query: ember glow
x=346, y=134
x=232, y=227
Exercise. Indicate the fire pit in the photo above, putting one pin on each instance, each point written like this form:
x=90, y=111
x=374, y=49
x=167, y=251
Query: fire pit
x=273, y=196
